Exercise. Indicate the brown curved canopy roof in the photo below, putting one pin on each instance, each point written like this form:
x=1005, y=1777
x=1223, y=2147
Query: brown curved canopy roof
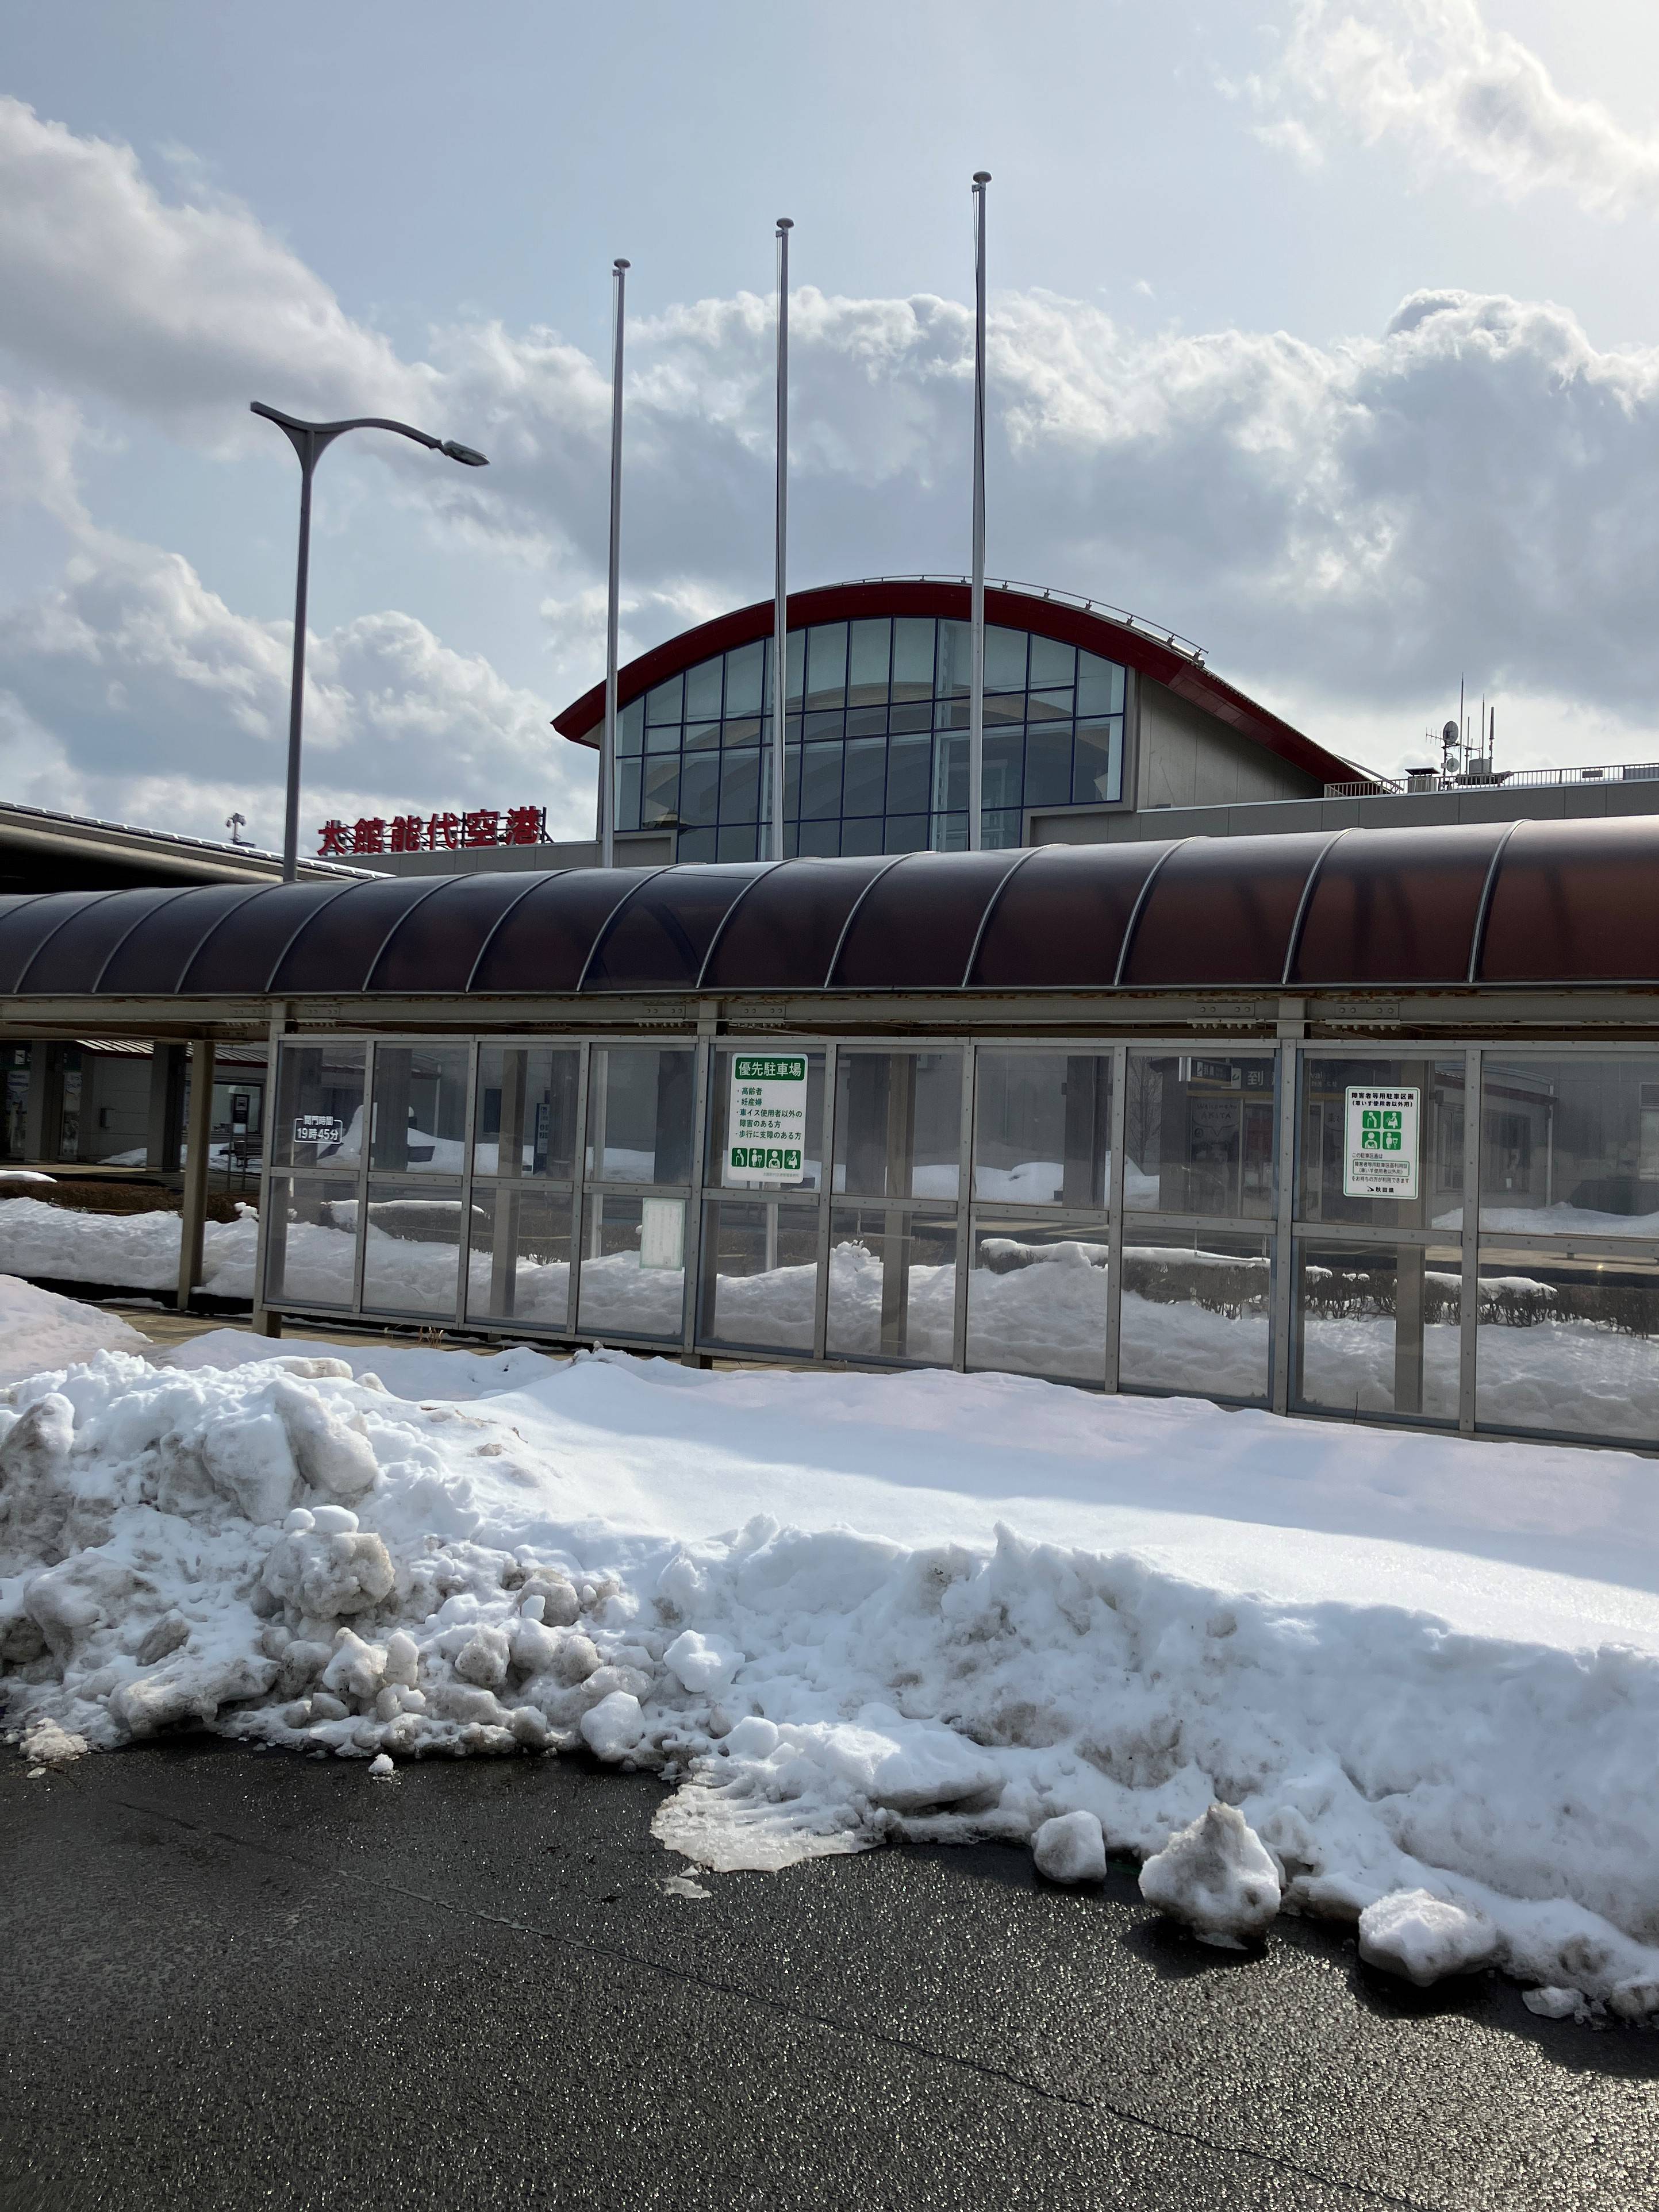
x=1533, y=902
x=1013, y=609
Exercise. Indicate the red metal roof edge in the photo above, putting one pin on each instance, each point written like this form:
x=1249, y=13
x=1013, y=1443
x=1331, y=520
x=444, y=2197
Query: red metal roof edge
x=1068, y=625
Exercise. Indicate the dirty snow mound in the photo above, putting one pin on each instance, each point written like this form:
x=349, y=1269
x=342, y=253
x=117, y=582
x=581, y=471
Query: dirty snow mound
x=1217, y=1877
x=1425, y=1937
x=1070, y=1848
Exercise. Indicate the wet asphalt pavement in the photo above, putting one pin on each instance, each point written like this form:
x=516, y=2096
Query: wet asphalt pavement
x=237, y=1979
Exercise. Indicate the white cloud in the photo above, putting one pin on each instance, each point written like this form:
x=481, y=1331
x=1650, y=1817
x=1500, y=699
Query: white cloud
x=1456, y=94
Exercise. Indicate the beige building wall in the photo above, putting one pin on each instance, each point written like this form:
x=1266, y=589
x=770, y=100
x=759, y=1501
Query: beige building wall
x=1185, y=757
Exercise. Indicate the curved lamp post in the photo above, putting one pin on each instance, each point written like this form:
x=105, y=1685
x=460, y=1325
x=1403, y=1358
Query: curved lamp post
x=310, y=441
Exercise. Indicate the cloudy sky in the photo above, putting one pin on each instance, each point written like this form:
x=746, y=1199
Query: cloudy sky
x=1322, y=331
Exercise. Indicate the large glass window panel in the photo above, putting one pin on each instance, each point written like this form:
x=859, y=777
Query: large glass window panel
x=1197, y=1316
x=667, y=702
x=791, y=781
x=1052, y=664
x=954, y=672
x=739, y=786
x=13, y=1101
x=903, y=719
x=1037, y=1298
x=1100, y=685
x=751, y=730
x=1324, y=1164
x=949, y=773
x=704, y=737
x=745, y=679
x=628, y=796
x=1004, y=710
x=319, y=1106
x=720, y=1116
x=639, y=1113
x=703, y=691
x=870, y=650
x=820, y=783
x=820, y=840
x=892, y=1284
x=899, y=1124
x=1006, y=653
x=910, y=775
x=312, y=1241
x=1570, y=1145
x=867, y=721
x=947, y=833
x=826, y=665
x=831, y=725
x=1041, y=706
x=905, y=833
x=699, y=788
x=862, y=834
x=660, y=800
x=863, y=791
x=1097, y=764
x=912, y=657
x=1568, y=1345
x=794, y=665
x=1048, y=766
x=1002, y=768
x=1042, y=1128
x=1000, y=829
x=411, y=1249
x=527, y=1109
x=518, y=1266
x=697, y=845
x=420, y=1109
x=630, y=728
x=633, y=1267
x=661, y=737
x=1377, y=1329
x=738, y=841
x=1198, y=1135
x=759, y=1273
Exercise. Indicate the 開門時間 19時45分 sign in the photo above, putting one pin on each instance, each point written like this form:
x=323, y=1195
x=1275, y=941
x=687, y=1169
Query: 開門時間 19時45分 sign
x=766, y=1118
x=1380, y=1133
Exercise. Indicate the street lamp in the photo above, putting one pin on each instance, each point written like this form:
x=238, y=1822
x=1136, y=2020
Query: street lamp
x=310, y=441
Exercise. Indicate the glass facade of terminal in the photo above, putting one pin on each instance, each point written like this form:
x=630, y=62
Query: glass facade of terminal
x=876, y=741
x=1156, y=1218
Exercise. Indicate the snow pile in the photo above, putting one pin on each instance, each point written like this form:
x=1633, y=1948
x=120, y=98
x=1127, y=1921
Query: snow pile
x=39, y=1329
x=139, y=1251
x=1425, y=1937
x=511, y=1557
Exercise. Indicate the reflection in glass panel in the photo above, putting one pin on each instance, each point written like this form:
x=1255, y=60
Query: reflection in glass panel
x=703, y=692
x=1377, y=1329
x=1568, y=1345
x=827, y=664
x=1570, y=1143
x=953, y=677
x=526, y=1102
x=905, y=833
x=696, y=845
x=627, y=794
x=1052, y=664
x=899, y=1123
x=1198, y=1135
x=633, y=1267
x=1197, y=1316
x=866, y=767
x=950, y=773
x=1097, y=763
x=867, y=674
x=660, y=797
x=312, y=1242
x=912, y=657
x=706, y=737
x=1042, y=1128
x=1048, y=766
x=319, y=1105
x=720, y=1113
x=910, y=775
x=759, y=1273
x=1006, y=653
x=892, y=1284
x=666, y=702
x=745, y=677
x=630, y=728
x=662, y=737
x=411, y=1249
x=518, y=1266
x=740, y=786
x=1100, y=685
x=1323, y=1164
x=700, y=790
x=738, y=842
x=420, y=1109
x=639, y=1113
x=820, y=783
x=861, y=834
x=1036, y=1298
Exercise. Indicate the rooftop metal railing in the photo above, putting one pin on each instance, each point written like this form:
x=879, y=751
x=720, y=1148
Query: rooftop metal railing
x=1171, y=638
x=1429, y=782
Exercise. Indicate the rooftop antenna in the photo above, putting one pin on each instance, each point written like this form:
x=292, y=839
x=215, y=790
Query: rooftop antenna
x=236, y=824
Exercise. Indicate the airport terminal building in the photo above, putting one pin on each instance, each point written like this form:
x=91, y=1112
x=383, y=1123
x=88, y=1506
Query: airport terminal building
x=1356, y=1117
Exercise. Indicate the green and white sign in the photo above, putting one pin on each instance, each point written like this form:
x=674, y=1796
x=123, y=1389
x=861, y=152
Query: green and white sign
x=766, y=1118
x=1379, y=1158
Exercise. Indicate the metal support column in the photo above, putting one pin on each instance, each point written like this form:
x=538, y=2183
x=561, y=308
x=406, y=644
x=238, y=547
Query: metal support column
x=607, y=747
x=265, y=1321
x=1469, y=1303
x=780, y=686
x=1290, y=1088
x=1114, y=1224
x=976, y=712
x=193, y=1219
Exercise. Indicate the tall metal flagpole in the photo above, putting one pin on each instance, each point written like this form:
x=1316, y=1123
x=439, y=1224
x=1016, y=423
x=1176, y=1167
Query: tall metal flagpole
x=608, y=747
x=976, y=711
x=780, y=575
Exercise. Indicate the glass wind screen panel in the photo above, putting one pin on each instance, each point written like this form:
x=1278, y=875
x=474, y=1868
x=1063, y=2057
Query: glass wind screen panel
x=1570, y=1146
x=15, y=1060
x=1333, y=1113
x=420, y=1109
x=759, y=1273
x=312, y=1241
x=892, y=1284
x=1197, y=1316
x=1377, y=1329
x=720, y=1111
x=633, y=1267
x=411, y=1249
x=319, y=1106
x=899, y=1124
x=639, y=1113
x=527, y=1106
x=1042, y=1128
x=1198, y=1135
x=518, y=1266
x=1037, y=1298
x=1569, y=1346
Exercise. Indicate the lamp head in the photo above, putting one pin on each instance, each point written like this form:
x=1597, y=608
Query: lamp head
x=464, y=454
x=982, y=176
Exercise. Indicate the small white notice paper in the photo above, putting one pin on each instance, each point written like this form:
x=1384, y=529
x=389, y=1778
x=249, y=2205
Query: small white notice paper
x=662, y=1232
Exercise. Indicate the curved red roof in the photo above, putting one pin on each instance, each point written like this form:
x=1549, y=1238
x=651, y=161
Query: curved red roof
x=1012, y=609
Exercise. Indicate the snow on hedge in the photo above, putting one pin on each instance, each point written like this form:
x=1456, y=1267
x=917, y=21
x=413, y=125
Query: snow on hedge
x=833, y=1610
x=138, y=1251
x=39, y=1329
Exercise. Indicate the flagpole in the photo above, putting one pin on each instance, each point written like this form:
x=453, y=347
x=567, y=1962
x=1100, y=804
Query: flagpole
x=607, y=747
x=976, y=712
x=780, y=575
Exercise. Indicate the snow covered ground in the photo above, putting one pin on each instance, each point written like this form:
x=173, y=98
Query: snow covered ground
x=833, y=1609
